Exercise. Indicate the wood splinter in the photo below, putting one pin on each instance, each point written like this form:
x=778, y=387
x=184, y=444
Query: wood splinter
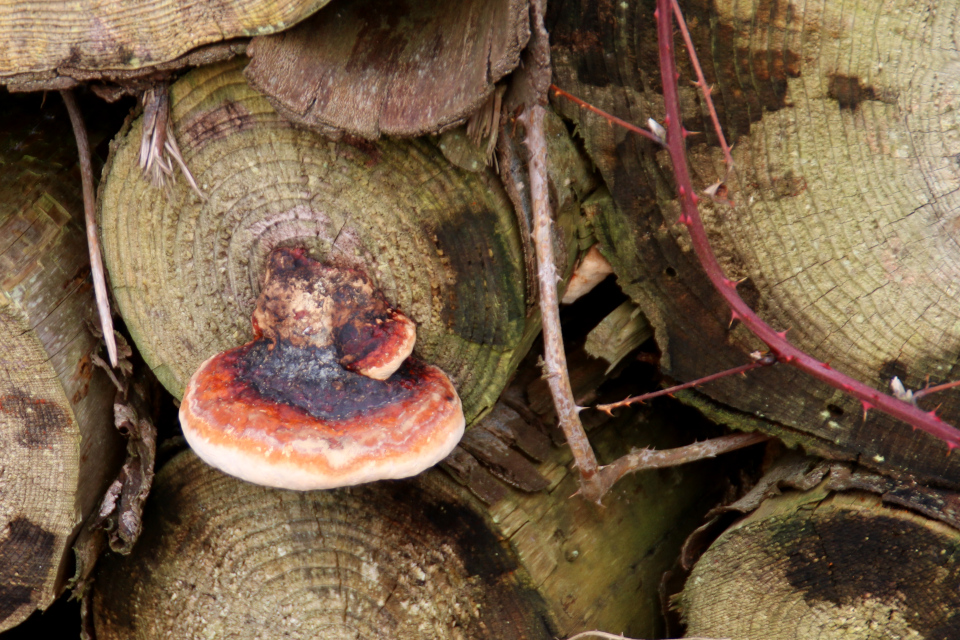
x=157, y=148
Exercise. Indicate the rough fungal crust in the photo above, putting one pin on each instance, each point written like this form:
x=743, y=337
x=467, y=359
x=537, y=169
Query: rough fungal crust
x=325, y=396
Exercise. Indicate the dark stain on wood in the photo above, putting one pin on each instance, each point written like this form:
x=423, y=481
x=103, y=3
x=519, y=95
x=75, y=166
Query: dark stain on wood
x=749, y=81
x=891, y=369
x=83, y=376
x=227, y=118
x=485, y=304
x=749, y=293
x=486, y=557
x=584, y=29
x=605, y=42
x=848, y=92
x=39, y=423
x=368, y=148
x=25, y=552
x=841, y=558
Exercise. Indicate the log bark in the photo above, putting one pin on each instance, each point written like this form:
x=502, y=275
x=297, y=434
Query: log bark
x=372, y=69
x=55, y=45
x=819, y=565
x=845, y=195
x=58, y=445
x=423, y=558
x=441, y=243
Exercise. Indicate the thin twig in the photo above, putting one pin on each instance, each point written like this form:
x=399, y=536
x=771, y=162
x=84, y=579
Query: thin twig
x=646, y=459
x=555, y=360
x=776, y=341
x=702, y=83
x=89, y=211
x=762, y=362
x=607, y=116
x=940, y=387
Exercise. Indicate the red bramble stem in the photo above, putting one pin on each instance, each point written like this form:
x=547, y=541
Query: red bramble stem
x=763, y=362
x=778, y=344
x=600, y=112
x=702, y=83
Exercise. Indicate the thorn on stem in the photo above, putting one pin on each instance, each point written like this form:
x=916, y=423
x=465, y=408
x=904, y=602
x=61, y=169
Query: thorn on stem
x=734, y=317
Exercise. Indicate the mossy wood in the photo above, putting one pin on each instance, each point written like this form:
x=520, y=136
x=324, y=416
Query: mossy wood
x=809, y=565
x=441, y=243
x=846, y=131
x=58, y=446
x=419, y=559
x=374, y=68
x=53, y=45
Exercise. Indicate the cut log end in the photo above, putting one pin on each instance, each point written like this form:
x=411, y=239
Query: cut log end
x=805, y=567
x=369, y=69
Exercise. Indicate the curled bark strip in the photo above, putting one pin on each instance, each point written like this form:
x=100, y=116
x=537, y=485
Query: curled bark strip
x=89, y=213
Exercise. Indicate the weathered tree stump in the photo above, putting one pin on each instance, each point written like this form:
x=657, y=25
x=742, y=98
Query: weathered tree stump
x=415, y=559
x=440, y=242
x=58, y=445
x=811, y=565
x=846, y=197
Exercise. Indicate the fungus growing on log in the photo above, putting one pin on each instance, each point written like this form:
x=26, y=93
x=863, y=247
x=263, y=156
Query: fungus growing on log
x=325, y=395
x=441, y=243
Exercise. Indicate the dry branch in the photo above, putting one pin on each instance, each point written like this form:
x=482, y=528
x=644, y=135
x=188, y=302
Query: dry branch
x=555, y=360
x=90, y=216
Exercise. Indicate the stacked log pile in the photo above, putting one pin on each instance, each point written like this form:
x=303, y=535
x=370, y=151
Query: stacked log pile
x=387, y=140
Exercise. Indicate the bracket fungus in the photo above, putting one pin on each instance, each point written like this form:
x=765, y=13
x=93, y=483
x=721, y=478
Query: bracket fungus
x=325, y=395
